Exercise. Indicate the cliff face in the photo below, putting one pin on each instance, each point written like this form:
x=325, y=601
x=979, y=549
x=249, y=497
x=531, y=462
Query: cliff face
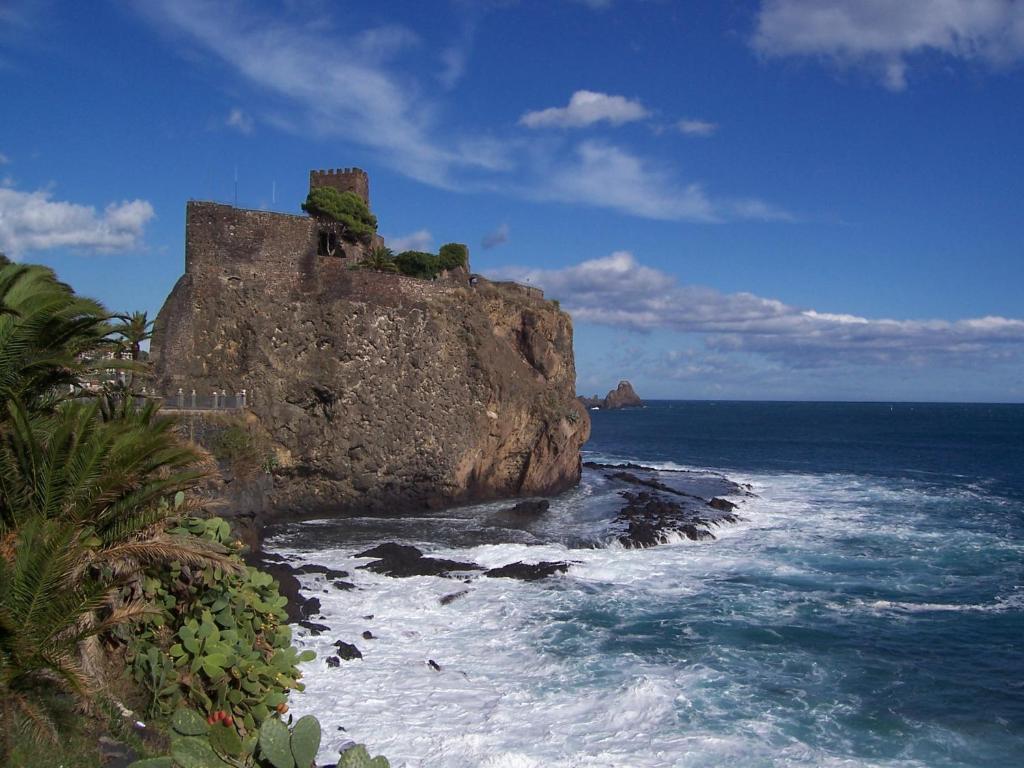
x=623, y=396
x=379, y=391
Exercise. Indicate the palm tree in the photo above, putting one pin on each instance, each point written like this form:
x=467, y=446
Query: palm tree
x=83, y=499
x=381, y=259
x=134, y=329
x=49, y=337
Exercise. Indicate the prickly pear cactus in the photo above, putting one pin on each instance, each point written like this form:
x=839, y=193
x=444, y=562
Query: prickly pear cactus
x=305, y=741
x=358, y=757
x=275, y=743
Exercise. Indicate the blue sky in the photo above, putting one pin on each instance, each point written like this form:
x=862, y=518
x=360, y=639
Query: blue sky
x=767, y=199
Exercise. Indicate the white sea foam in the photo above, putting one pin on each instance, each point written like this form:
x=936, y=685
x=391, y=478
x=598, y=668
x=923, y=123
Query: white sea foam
x=533, y=674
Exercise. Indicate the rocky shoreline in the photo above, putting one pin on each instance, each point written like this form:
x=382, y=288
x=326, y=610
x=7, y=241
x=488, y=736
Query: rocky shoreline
x=653, y=513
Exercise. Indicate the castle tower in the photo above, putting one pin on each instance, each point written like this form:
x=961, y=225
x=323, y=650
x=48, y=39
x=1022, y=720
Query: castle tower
x=344, y=180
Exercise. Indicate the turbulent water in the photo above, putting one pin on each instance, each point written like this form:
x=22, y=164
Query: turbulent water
x=868, y=609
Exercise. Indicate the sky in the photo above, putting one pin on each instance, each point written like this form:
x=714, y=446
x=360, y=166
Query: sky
x=756, y=199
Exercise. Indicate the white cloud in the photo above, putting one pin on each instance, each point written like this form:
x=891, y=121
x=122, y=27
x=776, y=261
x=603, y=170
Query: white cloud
x=618, y=291
x=420, y=240
x=496, y=238
x=344, y=84
x=365, y=96
x=607, y=176
x=31, y=221
x=239, y=120
x=4, y=159
x=883, y=34
x=701, y=128
x=586, y=108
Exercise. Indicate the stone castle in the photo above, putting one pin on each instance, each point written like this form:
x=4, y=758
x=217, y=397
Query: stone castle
x=369, y=390
x=285, y=251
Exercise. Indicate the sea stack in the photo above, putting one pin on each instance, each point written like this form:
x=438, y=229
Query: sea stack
x=623, y=396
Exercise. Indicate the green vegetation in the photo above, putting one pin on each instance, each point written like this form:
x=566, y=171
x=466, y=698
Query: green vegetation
x=346, y=208
x=380, y=259
x=246, y=452
x=453, y=255
x=220, y=642
x=100, y=555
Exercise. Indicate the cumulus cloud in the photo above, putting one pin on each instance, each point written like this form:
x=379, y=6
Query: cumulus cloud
x=701, y=128
x=239, y=120
x=607, y=176
x=420, y=240
x=619, y=291
x=495, y=238
x=32, y=221
x=586, y=108
x=884, y=35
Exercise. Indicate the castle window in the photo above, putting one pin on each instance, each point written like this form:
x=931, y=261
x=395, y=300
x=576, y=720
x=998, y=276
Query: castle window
x=327, y=244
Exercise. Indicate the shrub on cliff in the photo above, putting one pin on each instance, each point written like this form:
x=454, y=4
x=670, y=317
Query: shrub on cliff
x=346, y=208
x=418, y=264
x=428, y=266
x=453, y=255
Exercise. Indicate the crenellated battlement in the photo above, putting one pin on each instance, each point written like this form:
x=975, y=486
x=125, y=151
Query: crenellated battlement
x=353, y=180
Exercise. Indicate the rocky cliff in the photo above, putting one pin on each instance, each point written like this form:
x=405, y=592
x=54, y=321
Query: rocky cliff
x=623, y=396
x=378, y=391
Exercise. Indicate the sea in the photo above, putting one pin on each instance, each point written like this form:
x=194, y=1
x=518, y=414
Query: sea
x=866, y=610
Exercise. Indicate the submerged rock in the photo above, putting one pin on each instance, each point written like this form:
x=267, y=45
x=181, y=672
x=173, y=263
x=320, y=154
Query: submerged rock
x=650, y=519
x=451, y=598
x=330, y=573
x=314, y=628
x=528, y=571
x=402, y=561
x=524, y=512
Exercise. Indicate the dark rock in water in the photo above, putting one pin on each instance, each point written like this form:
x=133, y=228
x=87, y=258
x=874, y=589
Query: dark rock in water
x=723, y=505
x=391, y=550
x=402, y=561
x=650, y=520
x=528, y=571
x=333, y=661
x=368, y=616
x=345, y=586
x=368, y=635
x=628, y=477
x=434, y=665
x=347, y=651
x=525, y=511
x=311, y=607
x=314, y=628
x=623, y=396
x=451, y=598
x=330, y=573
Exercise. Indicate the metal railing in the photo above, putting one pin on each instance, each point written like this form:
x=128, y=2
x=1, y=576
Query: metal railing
x=193, y=400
